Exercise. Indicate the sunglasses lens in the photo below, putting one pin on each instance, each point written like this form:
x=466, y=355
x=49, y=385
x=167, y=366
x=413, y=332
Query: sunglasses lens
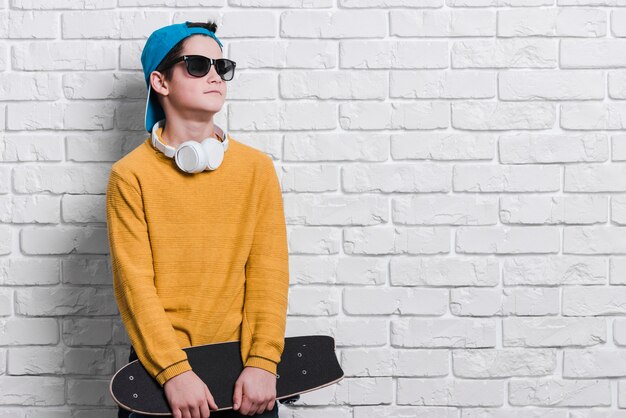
x=225, y=68
x=198, y=66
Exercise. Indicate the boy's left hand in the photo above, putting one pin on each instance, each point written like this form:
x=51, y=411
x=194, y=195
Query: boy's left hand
x=255, y=391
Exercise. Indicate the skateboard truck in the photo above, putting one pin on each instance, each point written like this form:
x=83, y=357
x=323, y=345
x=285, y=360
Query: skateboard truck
x=289, y=400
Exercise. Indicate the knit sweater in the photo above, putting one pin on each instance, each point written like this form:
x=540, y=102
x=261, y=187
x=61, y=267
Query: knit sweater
x=198, y=258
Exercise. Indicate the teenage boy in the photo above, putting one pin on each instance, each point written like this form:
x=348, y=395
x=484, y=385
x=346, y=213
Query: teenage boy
x=197, y=232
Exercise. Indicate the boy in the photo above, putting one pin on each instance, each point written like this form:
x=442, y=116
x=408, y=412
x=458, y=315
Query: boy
x=197, y=232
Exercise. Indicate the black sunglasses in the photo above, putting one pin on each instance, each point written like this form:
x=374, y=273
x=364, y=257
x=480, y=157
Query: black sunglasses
x=199, y=66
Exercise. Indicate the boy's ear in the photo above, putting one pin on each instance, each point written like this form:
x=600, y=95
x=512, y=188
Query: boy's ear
x=158, y=83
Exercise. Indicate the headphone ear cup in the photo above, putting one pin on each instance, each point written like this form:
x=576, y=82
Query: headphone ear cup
x=190, y=157
x=213, y=152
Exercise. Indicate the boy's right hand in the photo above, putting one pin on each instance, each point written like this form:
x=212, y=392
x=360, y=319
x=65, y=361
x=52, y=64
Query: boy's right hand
x=189, y=396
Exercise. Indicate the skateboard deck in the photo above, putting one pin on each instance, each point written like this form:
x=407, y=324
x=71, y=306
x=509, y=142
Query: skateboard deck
x=307, y=363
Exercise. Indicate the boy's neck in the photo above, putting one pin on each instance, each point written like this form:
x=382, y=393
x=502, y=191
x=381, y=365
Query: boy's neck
x=174, y=134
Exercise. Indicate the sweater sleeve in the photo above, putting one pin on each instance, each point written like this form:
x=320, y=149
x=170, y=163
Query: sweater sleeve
x=150, y=331
x=267, y=278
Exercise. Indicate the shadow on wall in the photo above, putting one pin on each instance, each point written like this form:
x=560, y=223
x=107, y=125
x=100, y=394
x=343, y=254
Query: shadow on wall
x=97, y=342
x=71, y=340
x=67, y=335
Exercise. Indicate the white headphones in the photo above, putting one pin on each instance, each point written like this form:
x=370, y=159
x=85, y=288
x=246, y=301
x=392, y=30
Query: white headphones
x=193, y=156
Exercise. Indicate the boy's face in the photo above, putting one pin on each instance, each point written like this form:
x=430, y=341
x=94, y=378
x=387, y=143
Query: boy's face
x=188, y=94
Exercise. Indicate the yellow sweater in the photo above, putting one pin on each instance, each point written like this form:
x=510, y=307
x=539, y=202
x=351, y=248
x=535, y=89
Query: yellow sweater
x=198, y=258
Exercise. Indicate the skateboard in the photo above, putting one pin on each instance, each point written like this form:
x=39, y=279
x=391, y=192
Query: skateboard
x=307, y=363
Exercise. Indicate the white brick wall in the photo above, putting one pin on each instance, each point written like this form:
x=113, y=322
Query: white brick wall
x=454, y=181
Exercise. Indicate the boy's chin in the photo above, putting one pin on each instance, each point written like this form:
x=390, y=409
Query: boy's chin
x=206, y=109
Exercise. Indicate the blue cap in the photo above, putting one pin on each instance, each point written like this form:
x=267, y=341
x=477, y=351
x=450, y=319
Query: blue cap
x=160, y=42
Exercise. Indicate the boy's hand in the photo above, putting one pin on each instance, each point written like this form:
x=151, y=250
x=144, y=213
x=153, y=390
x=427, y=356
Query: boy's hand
x=255, y=391
x=189, y=396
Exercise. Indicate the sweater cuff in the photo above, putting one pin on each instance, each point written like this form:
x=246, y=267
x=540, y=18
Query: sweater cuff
x=261, y=363
x=173, y=370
